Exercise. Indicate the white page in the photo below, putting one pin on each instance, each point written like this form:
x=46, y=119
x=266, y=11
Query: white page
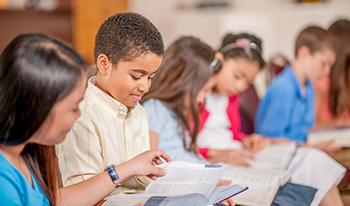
x=263, y=183
x=275, y=156
x=186, y=178
x=247, y=176
x=341, y=136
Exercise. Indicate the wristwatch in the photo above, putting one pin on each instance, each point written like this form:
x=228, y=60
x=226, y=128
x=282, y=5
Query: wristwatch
x=113, y=174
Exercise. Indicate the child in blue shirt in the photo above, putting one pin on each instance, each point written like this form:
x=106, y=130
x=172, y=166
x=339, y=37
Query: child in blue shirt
x=186, y=76
x=288, y=108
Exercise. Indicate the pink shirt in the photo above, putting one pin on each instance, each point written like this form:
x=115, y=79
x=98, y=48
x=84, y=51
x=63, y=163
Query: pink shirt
x=325, y=114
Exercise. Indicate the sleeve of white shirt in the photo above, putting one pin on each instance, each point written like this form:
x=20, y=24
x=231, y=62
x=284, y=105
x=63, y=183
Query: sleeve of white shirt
x=79, y=155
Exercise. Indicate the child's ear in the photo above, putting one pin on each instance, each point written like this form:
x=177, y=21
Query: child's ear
x=220, y=56
x=303, y=52
x=103, y=63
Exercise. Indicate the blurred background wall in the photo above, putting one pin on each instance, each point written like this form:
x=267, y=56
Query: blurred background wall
x=277, y=22
x=75, y=21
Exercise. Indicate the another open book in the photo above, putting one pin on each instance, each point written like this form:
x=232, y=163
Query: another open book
x=341, y=136
x=265, y=176
x=184, y=184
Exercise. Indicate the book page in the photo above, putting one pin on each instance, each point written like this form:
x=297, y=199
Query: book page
x=263, y=184
x=275, y=156
x=341, y=136
x=186, y=178
x=220, y=193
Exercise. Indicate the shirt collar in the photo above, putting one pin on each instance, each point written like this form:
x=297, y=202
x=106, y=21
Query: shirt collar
x=105, y=100
x=290, y=73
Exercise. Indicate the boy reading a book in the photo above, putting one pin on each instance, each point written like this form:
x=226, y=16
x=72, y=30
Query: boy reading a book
x=113, y=126
x=288, y=108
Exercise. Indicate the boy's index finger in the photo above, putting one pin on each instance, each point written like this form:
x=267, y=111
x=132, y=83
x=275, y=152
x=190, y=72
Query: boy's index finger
x=161, y=153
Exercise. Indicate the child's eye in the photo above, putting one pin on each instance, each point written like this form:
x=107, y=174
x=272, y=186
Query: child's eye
x=151, y=78
x=237, y=76
x=135, y=78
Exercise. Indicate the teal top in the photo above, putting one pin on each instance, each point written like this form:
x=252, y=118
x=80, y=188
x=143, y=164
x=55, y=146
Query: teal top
x=15, y=189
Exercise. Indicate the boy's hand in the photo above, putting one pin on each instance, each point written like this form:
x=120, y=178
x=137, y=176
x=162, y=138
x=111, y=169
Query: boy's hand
x=144, y=164
x=256, y=142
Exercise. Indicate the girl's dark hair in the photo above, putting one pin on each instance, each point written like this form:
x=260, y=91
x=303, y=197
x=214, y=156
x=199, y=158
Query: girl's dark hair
x=339, y=92
x=36, y=71
x=187, y=66
x=231, y=48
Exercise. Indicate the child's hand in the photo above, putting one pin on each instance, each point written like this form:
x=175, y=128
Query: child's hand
x=327, y=147
x=144, y=164
x=256, y=142
x=228, y=201
x=238, y=157
x=234, y=157
x=343, y=123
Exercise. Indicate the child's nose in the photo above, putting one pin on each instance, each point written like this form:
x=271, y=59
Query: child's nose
x=144, y=86
x=328, y=70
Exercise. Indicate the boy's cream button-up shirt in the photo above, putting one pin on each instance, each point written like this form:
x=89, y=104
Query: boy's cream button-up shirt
x=105, y=133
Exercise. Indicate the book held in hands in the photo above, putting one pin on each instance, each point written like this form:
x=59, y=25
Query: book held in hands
x=184, y=184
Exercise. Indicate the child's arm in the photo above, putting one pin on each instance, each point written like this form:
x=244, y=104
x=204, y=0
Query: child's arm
x=154, y=138
x=318, y=103
x=91, y=191
x=256, y=142
x=234, y=157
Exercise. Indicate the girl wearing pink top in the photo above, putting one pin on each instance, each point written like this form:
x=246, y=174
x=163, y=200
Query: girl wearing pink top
x=333, y=92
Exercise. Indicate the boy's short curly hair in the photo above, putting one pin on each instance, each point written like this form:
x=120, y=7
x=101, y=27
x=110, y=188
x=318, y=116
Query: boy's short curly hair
x=126, y=36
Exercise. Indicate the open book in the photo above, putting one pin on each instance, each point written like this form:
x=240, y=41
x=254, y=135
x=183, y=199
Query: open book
x=275, y=156
x=341, y=136
x=265, y=176
x=184, y=184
